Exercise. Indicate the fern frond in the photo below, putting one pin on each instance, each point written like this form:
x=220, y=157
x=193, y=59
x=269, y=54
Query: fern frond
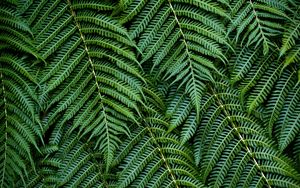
x=290, y=40
x=242, y=63
x=278, y=96
x=255, y=73
x=92, y=76
x=236, y=151
x=152, y=93
x=290, y=130
x=179, y=40
x=15, y=32
x=20, y=127
x=179, y=108
x=257, y=23
x=152, y=158
x=290, y=36
x=287, y=122
x=264, y=87
x=293, y=56
x=73, y=164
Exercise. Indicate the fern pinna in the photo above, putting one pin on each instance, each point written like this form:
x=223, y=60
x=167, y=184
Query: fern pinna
x=150, y=93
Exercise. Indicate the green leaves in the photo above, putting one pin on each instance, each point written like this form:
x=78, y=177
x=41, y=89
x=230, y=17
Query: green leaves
x=153, y=159
x=154, y=93
x=290, y=41
x=234, y=142
x=178, y=41
x=90, y=63
x=257, y=22
x=20, y=127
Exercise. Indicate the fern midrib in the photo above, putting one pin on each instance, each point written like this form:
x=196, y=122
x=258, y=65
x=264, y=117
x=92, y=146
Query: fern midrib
x=184, y=41
x=94, y=74
x=5, y=141
x=257, y=20
x=85, y=47
x=194, y=84
x=163, y=157
x=240, y=136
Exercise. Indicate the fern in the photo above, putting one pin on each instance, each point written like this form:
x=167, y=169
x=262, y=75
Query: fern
x=257, y=22
x=20, y=126
x=236, y=151
x=88, y=55
x=242, y=62
x=154, y=159
x=72, y=164
x=153, y=93
x=276, y=102
x=178, y=40
x=290, y=42
x=288, y=127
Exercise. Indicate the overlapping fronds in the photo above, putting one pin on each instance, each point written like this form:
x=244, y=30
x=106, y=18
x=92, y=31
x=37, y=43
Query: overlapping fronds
x=289, y=119
x=20, y=129
x=285, y=84
x=283, y=110
x=149, y=93
x=242, y=62
x=152, y=158
x=235, y=150
x=72, y=164
x=290, y=48
x=255, y=75
x=19, y=125
x=179, y=40
x=262, y=82
x=257, y=22
x=15, y=32
x=92, y=77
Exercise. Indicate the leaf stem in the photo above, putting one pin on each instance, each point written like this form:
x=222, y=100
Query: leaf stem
x=187, y=49
x=95, y=76
x=240, y=136
x=163, y=158
x=5, y=141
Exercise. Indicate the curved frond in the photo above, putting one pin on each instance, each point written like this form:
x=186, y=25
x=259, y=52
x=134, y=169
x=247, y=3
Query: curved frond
x=257, y=22
x=236, y=151
x=92, y=77
x=153, y=159
x=179, y=40
x=20, y=126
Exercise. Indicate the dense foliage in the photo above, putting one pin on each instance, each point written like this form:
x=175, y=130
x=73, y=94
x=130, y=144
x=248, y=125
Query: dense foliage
x=150, y=93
